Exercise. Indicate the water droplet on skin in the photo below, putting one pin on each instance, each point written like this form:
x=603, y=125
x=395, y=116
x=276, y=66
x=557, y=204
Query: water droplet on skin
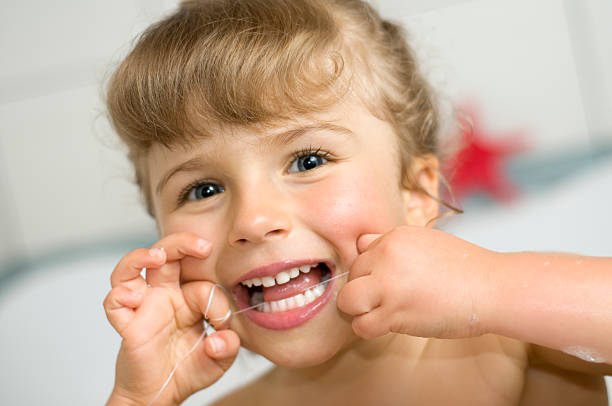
x=578, y=261
x=466, y=255
x=473, y=319
x=585, y=354
x=546, y=263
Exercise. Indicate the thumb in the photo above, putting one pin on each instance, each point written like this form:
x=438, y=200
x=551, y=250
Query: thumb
x=364, y=241
x=223, y=347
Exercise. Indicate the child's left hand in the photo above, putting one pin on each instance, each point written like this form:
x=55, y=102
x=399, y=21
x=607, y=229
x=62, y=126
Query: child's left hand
x=417, y=281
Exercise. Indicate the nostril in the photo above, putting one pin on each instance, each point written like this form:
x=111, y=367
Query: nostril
x=275, y=233
x=270, y=235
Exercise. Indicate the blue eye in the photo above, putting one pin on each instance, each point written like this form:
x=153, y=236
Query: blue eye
x=203, y=191
x=307, y=162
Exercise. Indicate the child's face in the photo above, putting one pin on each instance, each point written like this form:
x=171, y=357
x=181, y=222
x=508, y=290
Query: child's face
x=260, y=205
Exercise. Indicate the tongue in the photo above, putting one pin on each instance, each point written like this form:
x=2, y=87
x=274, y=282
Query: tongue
x=296, y=285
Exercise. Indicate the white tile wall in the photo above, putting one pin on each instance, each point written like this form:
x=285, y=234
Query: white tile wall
x=67, y=178
x=512, y=59
x=48, y=46
x=61, y=183
x=590, y=33
x=11, y=238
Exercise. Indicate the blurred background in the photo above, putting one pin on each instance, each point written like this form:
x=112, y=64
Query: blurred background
x=534, y=73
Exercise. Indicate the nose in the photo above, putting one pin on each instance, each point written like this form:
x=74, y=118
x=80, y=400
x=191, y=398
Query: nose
x=258, y=216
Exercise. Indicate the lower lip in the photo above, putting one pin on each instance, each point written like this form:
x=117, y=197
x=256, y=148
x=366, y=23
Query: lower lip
x=290, y=318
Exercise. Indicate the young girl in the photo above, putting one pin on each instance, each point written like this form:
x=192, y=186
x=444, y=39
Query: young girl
x=281, y=145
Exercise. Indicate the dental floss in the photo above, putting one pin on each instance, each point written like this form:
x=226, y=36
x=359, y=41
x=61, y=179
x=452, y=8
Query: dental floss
x=209, y=329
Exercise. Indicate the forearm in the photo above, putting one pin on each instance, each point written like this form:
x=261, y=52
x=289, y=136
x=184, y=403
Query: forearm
x=558, y=301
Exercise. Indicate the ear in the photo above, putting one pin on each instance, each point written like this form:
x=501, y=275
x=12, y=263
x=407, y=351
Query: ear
x=420, y=201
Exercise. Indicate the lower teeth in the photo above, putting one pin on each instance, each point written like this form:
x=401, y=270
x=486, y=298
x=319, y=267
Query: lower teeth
x=299, y=300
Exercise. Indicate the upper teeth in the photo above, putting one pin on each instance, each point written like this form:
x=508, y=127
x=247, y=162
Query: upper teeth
x=279, y=278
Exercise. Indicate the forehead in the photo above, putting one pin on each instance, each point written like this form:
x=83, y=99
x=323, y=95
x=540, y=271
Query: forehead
x=346, y=116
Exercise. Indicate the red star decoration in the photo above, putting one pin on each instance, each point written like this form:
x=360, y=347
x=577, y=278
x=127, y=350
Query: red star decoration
x=478, y=167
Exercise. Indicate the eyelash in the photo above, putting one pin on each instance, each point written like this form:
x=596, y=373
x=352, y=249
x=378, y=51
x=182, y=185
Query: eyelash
x=184, y=194
x=311, y=150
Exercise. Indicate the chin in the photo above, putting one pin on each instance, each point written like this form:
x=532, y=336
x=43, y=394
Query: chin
x=314, y=343
x=305, y=354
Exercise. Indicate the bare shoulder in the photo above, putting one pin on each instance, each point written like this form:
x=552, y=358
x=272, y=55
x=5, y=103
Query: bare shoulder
x=556, y=378
x=549, y=385
x=544, y=382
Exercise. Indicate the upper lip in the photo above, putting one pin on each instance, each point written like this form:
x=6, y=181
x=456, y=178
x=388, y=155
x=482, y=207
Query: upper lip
x=276, y=267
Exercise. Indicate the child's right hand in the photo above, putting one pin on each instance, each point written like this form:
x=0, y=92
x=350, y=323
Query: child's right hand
x=160, y=320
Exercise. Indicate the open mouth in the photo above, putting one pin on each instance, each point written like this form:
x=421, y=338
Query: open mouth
x=287, y=290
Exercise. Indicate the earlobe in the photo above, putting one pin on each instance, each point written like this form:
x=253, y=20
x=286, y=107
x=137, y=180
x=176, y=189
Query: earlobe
x=421, y=194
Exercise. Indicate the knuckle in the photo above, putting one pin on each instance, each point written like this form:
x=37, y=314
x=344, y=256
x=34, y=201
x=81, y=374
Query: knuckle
x=112, y=293
x=361, y=264
x=347, y=297
x=131, y=259
x=341, y=300
x=400, y=325
x=360, y=327
x=138, y=252
x=171, y=240
x=134, y=255
x=110, y=303
x=106, y=301
x=207, y=289
x=387, y=246
x=187, y=237
x=402, y=230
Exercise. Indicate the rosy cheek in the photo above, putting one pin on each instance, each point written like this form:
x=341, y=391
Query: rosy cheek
x=343, y=209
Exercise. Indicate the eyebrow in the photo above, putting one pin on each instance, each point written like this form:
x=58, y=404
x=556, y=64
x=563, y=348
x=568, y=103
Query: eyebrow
x=282, y=138
x=190, y=165
x=288, y=136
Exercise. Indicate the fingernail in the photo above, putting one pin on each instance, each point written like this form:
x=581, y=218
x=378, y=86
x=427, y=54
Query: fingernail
x=156, y=252
x=217, y=344
x=203, y=244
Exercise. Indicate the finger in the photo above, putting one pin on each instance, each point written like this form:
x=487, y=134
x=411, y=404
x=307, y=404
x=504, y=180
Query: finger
x=179, y=245
x=213, y=357
x=371, y=324
x=176, y=247
x=223, y=347
x=206, y=299
x=362, y=266
x=130, y=266
x=119, y=306
x=364, y=241
x=358, y=296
